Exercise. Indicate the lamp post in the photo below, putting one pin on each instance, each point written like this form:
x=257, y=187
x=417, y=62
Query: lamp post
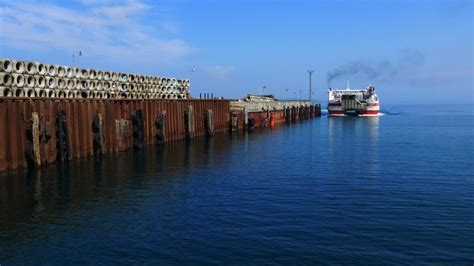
x=310, y=72
x=190, y=75
x=79, y=53
x=191, y=72
x=261, y=90
x=286, y=92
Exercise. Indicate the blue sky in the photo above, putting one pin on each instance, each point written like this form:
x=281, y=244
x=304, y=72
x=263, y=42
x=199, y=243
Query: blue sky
x=412, y=51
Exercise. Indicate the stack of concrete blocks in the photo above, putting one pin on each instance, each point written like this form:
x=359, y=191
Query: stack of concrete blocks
x=32, y=79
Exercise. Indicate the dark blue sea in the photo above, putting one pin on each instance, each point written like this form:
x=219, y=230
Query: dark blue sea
x=397, y=189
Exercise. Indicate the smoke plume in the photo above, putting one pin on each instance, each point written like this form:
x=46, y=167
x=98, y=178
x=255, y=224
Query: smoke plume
x=372, y=71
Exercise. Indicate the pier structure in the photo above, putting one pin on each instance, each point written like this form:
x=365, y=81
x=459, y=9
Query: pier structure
x=39, y=131
x=42, y=122
x=248, y=115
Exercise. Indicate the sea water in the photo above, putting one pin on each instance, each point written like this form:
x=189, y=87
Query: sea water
x=392, y=189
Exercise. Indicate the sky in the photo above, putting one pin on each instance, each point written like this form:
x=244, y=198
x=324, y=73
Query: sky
x=412, y=51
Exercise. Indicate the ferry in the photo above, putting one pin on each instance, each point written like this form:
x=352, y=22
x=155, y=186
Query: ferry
x=349, y=102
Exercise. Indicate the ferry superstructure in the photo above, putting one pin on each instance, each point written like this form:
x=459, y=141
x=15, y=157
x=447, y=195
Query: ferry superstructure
x=346, y=102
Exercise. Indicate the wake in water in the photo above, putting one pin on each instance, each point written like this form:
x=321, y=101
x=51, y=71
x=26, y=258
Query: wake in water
x=326, y=113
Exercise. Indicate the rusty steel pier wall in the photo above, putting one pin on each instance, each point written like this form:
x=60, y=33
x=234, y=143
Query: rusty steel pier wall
x=38, y=131
x=254, y=115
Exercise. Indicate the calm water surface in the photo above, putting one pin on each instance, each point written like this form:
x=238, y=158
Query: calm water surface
x=393, y=189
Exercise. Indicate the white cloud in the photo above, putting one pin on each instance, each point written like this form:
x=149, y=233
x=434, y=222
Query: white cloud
x=219, y=72
x=112, y=30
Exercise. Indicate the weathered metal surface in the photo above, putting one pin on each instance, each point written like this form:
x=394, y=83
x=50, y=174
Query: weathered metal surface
x=77, y=136
x=36, y=138
x=189, y=118
x=271, y=117
x=209, y=122
x=122, y=133
x=260, y=106
x=160, y=125
x=98, y=134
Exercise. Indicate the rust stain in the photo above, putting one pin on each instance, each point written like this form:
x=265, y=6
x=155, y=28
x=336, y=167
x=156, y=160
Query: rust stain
x=16, y=112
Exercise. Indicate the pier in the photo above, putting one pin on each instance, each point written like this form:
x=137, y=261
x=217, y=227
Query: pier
x=52, y=113
x=35, y=132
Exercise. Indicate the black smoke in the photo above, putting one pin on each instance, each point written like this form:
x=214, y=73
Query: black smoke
x=407, y=63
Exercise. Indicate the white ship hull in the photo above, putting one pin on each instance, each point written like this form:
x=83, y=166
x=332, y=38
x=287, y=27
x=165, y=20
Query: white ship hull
x=353, y=102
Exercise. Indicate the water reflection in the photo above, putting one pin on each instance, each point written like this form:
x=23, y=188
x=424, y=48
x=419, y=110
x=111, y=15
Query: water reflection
x=30, y=194
x=353, y=140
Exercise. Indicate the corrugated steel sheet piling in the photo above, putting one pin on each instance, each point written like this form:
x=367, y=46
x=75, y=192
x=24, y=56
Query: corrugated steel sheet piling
x=38, y=131
x=160, y=126
x=261, y=114
x=189, y=122
x=35, y=132
x=209, y=122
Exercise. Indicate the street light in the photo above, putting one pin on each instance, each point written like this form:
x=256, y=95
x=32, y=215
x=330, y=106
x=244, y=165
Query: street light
x=190, y=76
x=261, y=90
x=310, y=72
x=300, y=95
x=191, y=72
x=79, y=53
x=284, y=96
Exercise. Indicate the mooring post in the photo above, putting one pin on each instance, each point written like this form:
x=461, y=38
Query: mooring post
x=160, y=124
x=189, y=122
x=36, y=138
x=209, y=120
